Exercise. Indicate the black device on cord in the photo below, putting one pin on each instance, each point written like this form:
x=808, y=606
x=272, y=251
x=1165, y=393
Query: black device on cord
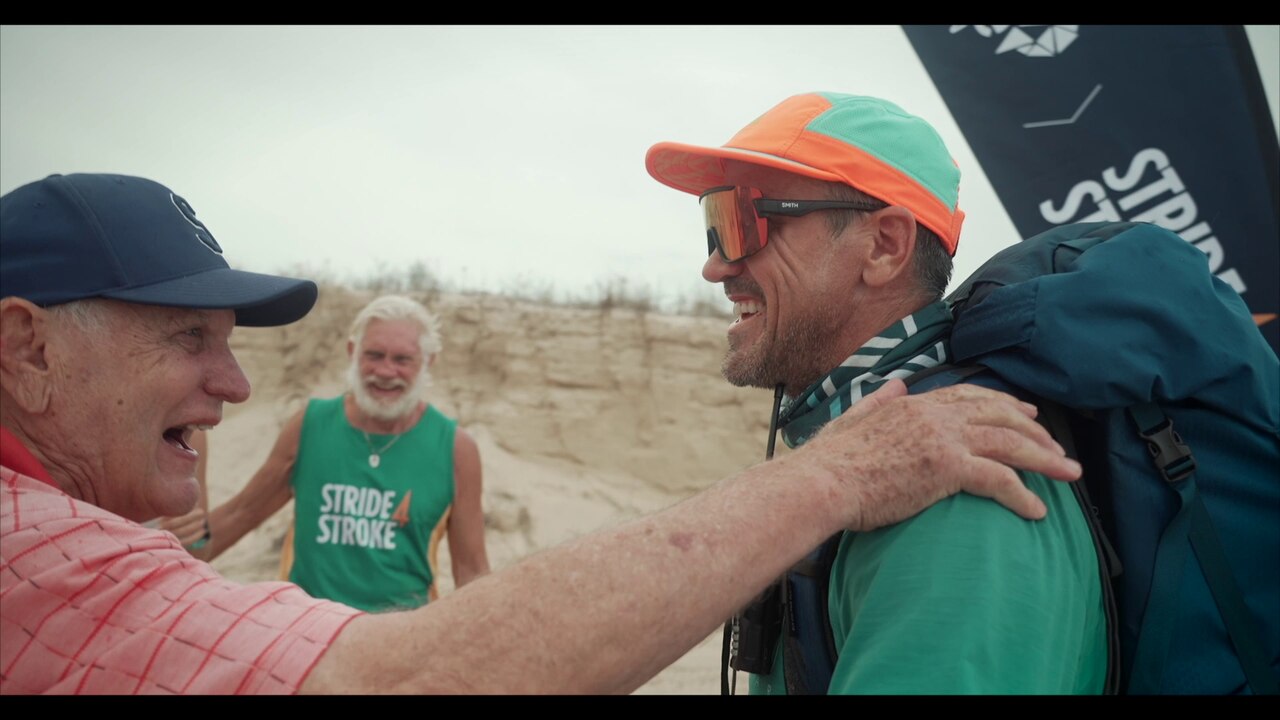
x=751, y=636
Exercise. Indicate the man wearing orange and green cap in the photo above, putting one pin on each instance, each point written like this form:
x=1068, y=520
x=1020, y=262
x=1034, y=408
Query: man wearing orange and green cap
x=831, y=222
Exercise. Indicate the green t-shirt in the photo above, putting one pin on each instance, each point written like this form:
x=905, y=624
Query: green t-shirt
x=968, y=598
x=366, y=536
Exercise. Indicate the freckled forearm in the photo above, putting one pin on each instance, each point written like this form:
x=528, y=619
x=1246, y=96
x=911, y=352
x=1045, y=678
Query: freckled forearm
x=230, y=522
x=606, y=612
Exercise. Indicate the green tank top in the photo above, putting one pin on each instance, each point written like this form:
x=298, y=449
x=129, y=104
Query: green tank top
x=365, y=536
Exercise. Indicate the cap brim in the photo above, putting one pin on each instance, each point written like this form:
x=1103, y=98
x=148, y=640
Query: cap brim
x=259, y=300
x=695, y=169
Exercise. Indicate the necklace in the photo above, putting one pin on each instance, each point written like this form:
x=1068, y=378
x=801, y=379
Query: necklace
x=375, y=458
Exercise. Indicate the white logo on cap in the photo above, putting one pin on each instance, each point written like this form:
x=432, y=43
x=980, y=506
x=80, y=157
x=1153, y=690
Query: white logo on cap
x=202, y=232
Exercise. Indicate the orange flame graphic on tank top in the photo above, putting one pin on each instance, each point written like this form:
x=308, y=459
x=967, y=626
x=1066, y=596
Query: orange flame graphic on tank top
x=401, y=515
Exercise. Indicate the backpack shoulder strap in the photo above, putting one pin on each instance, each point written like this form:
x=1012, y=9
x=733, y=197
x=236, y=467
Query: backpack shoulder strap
x=809, y=645
x=1057, y=421
x=809, y=649
x=1191, y=527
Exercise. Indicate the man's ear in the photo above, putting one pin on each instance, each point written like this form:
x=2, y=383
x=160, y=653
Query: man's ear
x=351, y=348
x=431, y=360
x=893, y=245
x=24, y=365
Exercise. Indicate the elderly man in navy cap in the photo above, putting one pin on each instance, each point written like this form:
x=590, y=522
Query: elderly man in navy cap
x=115, y=314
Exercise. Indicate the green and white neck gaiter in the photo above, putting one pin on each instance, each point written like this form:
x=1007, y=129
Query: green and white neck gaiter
x=914, y=343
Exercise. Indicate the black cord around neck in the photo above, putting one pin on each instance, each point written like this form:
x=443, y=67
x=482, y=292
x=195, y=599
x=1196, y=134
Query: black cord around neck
x=773, y=420
x=726, y=644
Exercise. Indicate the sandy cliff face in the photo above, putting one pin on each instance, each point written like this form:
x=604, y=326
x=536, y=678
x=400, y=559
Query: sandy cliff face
x=584, y=418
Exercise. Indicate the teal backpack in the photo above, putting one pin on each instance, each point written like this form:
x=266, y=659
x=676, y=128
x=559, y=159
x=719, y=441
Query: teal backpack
x=1152, y=373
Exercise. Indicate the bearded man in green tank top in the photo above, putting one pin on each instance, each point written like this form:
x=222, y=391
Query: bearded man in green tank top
x=379, y=476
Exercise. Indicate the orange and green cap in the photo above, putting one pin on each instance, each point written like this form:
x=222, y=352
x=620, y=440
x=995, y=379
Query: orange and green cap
x=864, y=142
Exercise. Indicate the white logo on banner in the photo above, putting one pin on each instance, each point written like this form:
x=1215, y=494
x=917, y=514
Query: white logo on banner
x=1149, y=191
x=1030, y=40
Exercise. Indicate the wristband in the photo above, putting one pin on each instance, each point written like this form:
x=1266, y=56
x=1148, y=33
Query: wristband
x=204, y=539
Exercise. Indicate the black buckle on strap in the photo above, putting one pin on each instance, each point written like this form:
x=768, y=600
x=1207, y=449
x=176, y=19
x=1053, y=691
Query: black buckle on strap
x=1172, y=457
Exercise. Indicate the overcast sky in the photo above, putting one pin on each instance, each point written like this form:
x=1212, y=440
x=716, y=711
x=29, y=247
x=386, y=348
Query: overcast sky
x=502, y=157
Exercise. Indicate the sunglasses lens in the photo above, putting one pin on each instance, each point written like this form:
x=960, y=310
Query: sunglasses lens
x=732, y=223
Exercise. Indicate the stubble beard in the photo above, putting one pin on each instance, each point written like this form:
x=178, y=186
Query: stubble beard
x=790, y=358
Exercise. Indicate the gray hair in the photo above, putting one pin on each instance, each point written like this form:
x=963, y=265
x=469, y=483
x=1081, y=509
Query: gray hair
x=932, y=264
x=89, y=315
x=399, y=307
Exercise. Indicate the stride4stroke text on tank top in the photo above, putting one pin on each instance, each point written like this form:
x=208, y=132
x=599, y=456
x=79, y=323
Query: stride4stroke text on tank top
x=361, y=516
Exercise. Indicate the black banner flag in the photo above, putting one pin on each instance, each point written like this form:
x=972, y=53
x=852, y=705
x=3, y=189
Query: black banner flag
x=1165, y=124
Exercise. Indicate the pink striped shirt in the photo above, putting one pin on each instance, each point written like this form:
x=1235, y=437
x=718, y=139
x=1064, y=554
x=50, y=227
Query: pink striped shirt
x=93, y=603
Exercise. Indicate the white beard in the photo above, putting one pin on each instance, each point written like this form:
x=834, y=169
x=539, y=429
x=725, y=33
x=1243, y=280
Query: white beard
x=386, y=410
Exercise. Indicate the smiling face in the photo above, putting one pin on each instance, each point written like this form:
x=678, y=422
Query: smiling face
x=795, y=300
x=388, y=372
x=128, y=392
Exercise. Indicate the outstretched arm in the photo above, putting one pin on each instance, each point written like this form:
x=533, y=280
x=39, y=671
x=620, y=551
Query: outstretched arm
x=268, y=491
x=607, y=611
x=466, y=521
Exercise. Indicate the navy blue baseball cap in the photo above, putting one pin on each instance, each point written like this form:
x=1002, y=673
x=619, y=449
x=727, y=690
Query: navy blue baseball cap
x=71, y=237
